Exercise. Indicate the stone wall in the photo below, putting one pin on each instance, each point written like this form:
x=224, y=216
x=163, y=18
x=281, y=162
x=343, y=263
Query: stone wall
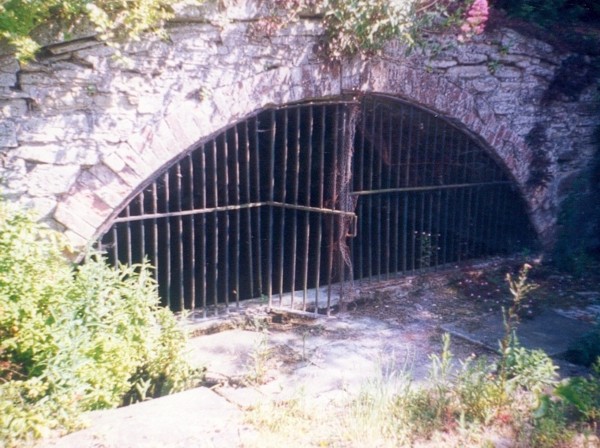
x=81, y=129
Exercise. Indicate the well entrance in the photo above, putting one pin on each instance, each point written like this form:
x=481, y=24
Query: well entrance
x=293, y=204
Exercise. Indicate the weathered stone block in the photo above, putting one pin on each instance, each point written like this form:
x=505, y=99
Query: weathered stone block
x=8, y=134
x=46, y=180
x=467, y=72
x=71, y=154
x=504, y=72
x=469, y=57
x=16, y=108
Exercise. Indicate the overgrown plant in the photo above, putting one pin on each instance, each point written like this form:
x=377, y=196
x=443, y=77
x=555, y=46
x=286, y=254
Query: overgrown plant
x=584, y=394
x=22, y=21
x=76, y=338
x=518, y=366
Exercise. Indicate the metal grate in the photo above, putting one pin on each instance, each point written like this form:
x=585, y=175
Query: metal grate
x=293, y=204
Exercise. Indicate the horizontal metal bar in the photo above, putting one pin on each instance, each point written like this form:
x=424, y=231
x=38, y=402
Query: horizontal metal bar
x=199, y=211
x=428, y=188
x=233, y=207
x=328, y=211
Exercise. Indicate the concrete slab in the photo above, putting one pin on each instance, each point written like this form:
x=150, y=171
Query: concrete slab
x=548, y=331
x=197, y=417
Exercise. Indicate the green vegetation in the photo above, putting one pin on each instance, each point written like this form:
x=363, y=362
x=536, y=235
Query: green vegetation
x=76, y=338
x=547, y=12
x=352, y=26
x=577, y=250
x=23, y=21
x=513, y=401
x=365, y=25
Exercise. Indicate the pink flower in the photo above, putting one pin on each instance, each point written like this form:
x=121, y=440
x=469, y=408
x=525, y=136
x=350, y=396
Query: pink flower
x=477, y=16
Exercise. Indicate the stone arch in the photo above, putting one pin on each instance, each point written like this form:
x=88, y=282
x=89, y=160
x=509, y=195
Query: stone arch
x=406, y=189
x=446, y=98
x=101, y=191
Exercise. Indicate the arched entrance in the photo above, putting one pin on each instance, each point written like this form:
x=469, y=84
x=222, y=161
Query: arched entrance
x=293, y=203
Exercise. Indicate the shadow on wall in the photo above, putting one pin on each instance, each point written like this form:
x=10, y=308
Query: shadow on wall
x=578, y=244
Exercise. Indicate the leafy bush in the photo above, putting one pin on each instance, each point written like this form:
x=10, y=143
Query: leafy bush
x=365, y=25
x=583, y=394
x=20, y=20
x=76, y=338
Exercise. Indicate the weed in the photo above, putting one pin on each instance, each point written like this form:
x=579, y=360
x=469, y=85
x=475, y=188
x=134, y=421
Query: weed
x=583, y=394
x=74, y=339
x=469, y=402
x=258, y=359
x=493, y=66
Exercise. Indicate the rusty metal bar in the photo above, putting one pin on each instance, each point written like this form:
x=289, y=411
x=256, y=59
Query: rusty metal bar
x=179, y=272
x=321, y=195
x=155, y=251
x=215, y=223
x=236, y=215
x=203, y=241
x=257, y=193
x=384, y=155
x=191, y=234
x=333, y=198
x=295, y=185
x=226, y=246
x=167, y=195
x=273, y=129
x=248, y=199
x=283, y=194
x=307, y=189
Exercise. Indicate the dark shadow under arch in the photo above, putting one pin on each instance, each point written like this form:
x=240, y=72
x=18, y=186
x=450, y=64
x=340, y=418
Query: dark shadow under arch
x=316, y=195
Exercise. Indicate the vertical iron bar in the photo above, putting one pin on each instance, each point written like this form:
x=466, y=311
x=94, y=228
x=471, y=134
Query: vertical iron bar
x=142, y=227
x=369, y=202
x=226, y=248
x=496, y=217
x=192, y=236
x=128, y=236
x=446, y=156
x=405, y=214
x=296, y=181
x=307, y=187
x=389, y=247
x=333, y=199
x=236, y=214
x=359, y=186
x=272, y=134
x=434, y=230
x=180, y=238
x=383, y=154
x=115, y=248
x=215, y=238
x=321, y=194
x=155, y=259
x=203, y=220
x=248, y=198
x=396, y=184
x=257, y=211
x=414, y=232
x=166, y=180
x=283, y=197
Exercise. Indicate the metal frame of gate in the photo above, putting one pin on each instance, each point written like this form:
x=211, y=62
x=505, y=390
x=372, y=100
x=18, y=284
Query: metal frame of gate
x=293, y=204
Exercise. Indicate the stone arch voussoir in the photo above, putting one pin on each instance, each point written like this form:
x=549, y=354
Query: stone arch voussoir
x=101, y=191
x=441, y=96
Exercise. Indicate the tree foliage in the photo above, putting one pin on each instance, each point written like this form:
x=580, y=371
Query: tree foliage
x=22, y=22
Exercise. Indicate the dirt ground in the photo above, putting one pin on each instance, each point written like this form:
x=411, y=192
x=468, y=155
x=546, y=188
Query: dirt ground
x=262, y=357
